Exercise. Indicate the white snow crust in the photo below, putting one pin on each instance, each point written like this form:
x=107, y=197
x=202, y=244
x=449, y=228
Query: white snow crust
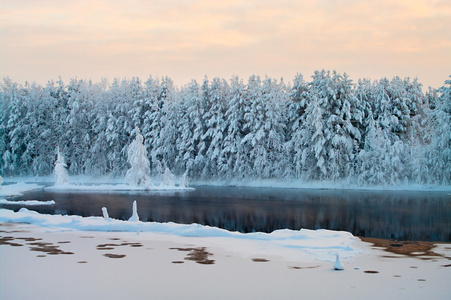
x=27, y=202
x=18, y=188
x=115, y=188
x=322, y=245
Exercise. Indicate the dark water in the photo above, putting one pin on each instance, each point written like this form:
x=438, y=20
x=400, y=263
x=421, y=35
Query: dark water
x=396, y=215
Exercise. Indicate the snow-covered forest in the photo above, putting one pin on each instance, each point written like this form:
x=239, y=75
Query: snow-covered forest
x=384, y=132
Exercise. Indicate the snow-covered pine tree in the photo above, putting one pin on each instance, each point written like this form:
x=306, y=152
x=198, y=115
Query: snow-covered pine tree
x=216, y=127
x=139, y=173
x=151, y=111
x=155, y=138
x=297, y=104
x=60, y=173
x=6, y=94
x=80, y=120
x=137, y=109
x=234, y=117
x=344, y=126
x=392, y=115
x=274, y=127
x=374, y=162
x=42, y=136
x=165, y=149
x=17, y=130
x=437, y=153
x=98, y=163
x=328, y=134
x=253, y=158
x=313, y=141
x=118, y=126
x=189, y=122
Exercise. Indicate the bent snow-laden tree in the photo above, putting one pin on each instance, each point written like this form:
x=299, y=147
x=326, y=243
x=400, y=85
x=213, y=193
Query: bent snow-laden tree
x=60, y=172
x=139, y=173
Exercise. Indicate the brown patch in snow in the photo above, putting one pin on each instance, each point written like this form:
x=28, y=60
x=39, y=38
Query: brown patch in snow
x=260, y=260
x=300, y=268
x=199, y=255
x=47, y=248
x=111, y=255
x=418, y=249
x=9, y=240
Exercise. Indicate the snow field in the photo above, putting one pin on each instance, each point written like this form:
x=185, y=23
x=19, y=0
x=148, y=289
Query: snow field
x=116, y=265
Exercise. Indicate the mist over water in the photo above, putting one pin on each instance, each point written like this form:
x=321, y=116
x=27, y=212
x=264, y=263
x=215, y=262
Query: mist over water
x=395, y=215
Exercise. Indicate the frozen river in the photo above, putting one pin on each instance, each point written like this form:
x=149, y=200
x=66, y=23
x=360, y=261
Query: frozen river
x=396, y=215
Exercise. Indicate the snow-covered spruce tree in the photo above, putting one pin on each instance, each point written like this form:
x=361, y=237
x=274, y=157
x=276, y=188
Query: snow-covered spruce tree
x=234, y=118
x=154, y=137
x=437, y=153
x=186, y=142
x=60, y=173
x=166, y=148
x=379, y=161
x=346, y=127
x=139, y=173
x=274, y=128
x=391, y=116
x=118, y=126
x=253, y=158
x=152, y=111
x=313, y=141
x=163, y=130
x=5, y=106
x=297, y=104
x=98, y=162
x=80, y=120
x=42, y=136
x=328, y=134
x=216, y=127
x=17, y=130
x=137, y=109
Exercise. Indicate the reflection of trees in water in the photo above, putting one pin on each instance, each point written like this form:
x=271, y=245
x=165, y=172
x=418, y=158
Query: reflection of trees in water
x=397, y=215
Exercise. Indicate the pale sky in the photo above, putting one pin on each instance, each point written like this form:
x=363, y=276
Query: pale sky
x=188, y=39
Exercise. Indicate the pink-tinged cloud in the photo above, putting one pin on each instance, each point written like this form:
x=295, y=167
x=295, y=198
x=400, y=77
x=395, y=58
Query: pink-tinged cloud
x=187, y=39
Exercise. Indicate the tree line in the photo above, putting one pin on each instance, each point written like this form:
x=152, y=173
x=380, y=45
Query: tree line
x=383, y=132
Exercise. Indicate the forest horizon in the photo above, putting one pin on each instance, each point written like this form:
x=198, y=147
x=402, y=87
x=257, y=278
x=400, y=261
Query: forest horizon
x=381, y=132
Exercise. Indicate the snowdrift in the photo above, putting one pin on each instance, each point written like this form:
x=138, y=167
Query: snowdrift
x=317, y=244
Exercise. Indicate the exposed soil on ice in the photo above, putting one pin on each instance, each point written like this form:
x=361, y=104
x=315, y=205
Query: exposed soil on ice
x=35, y=244
x=199, y=255
x=422, y=250
x=301, y=268
x=370, y=272
x=112, y=246
x=260, y=260
x=111, y=255
x=47, y=248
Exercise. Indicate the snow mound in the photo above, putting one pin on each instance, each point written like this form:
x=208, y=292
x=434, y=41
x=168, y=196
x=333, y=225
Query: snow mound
x=27, y=202
x=18, y=188
x=116, y=188
x=314, y=244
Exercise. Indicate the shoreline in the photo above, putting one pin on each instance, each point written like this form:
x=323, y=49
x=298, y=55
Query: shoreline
x=263, y=183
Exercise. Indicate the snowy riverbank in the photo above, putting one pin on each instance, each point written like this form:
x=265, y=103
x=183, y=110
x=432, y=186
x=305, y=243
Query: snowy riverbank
x=17, y=185
x=51, y=262
x=85, y=180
